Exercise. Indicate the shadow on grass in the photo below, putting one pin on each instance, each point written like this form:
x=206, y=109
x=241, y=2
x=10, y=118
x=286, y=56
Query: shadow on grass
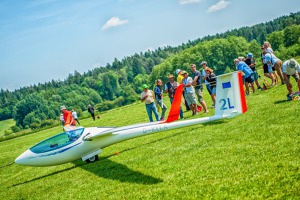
x=281, y=101
x=105, y=168
x=111, y=170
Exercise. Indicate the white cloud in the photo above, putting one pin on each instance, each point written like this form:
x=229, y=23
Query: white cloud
x=114, y=21
x=222, y=4
x=183, y=2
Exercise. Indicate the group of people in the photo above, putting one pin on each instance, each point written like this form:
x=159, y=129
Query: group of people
x=70, y=118
x=193, y=89
x=273, y=69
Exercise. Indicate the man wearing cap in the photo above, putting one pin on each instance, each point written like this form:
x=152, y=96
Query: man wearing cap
x=148, y=96
x=68, y=118
x=170, y=88
x=189, y=92
x=197, y=82
x=291, y=68
x=249, y=77
x=251, y=63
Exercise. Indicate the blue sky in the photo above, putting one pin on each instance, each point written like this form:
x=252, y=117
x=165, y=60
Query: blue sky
x=41, y=40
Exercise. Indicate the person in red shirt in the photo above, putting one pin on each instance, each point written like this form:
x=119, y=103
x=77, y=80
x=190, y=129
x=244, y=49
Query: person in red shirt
x=69, y=120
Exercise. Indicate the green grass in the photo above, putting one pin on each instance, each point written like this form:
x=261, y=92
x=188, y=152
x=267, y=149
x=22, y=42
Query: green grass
x=253, y=156
x=5, y=125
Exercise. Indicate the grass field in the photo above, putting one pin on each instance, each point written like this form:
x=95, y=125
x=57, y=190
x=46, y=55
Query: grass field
x=5, y=125
x=253, y=156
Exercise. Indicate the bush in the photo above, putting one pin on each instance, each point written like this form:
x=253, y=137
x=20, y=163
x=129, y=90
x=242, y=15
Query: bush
x=8, y=132
x=48, y=122
x=15, y=129
x=34, y=125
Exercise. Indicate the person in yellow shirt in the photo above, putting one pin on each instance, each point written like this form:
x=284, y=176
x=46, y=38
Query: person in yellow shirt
x=179, y=80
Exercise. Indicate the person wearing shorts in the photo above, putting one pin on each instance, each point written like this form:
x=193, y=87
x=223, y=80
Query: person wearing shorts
x=249, y=77
x=189, y=92
x=291, y=68
x=251, y=63
x=197, y=82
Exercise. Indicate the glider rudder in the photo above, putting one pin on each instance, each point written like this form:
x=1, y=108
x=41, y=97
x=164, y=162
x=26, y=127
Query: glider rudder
x=175, y=108
x=230, y=95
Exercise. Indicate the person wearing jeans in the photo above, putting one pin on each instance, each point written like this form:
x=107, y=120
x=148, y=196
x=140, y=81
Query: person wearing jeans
x=147, y=96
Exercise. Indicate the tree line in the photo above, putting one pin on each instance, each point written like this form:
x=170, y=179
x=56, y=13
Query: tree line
x=119, y=83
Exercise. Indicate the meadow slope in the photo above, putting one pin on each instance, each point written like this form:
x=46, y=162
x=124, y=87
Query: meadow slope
x=253, y=156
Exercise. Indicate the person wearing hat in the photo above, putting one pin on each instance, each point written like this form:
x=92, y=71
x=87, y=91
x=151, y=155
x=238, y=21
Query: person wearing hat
x=147, y=96
x=291, y=68
x=170, y=88
x=179, y=80
x=197, y=83
x=159, y=98
x=179, y=75
x=68, y=118
x=189, y=92
x=249, y=77
x=251, y=63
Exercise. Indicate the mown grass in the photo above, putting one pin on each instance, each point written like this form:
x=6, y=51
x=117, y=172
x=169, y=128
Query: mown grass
x=5, y=125
x=253, y=156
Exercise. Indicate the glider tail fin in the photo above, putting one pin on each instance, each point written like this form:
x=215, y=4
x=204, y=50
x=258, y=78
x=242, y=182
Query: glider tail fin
x=175, y=108
x=230, y=95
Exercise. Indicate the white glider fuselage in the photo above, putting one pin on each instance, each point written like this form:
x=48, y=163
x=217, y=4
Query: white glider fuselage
x=85, y=143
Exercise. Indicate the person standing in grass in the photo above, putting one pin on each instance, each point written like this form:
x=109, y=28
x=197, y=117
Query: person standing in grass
x=211, y=78
x=179, y=80
x=249, y=77
x=251, y=63
x=147, y=96
x=291, y=68
x=189, y=92
x=197, y=83
x=276, y=62
x=170, y=88
x=91, y=110
x=159, y=98
x=74, y=114
x=68, y=118
x=203, y=73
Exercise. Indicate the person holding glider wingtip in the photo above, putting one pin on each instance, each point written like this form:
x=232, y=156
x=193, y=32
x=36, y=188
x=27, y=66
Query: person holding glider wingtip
x=68, y=118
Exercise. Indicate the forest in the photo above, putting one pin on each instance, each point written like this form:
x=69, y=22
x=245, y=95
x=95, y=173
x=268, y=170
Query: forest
x=119, y=83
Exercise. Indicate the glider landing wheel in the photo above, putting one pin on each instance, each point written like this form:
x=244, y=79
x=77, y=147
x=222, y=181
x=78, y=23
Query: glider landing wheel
x=92, y=159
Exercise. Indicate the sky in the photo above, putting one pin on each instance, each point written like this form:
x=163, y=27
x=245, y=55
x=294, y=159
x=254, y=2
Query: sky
x=41, y=40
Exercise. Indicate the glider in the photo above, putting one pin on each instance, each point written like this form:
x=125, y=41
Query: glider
x=87, y=143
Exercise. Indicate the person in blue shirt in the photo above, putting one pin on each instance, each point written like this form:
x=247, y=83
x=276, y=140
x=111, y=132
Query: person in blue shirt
x=248, y=74
x=159, y=98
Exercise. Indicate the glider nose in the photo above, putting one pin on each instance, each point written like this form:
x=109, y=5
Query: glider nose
x=23, y=158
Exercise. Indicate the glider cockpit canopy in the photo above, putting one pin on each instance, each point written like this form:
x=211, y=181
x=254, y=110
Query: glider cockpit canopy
x=57, y=141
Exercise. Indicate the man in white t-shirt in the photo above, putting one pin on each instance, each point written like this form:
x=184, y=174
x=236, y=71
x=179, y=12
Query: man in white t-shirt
x=147, y=96
x=291, y=68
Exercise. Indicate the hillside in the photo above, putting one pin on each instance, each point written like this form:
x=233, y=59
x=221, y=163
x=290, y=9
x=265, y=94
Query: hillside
x=252, y=156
